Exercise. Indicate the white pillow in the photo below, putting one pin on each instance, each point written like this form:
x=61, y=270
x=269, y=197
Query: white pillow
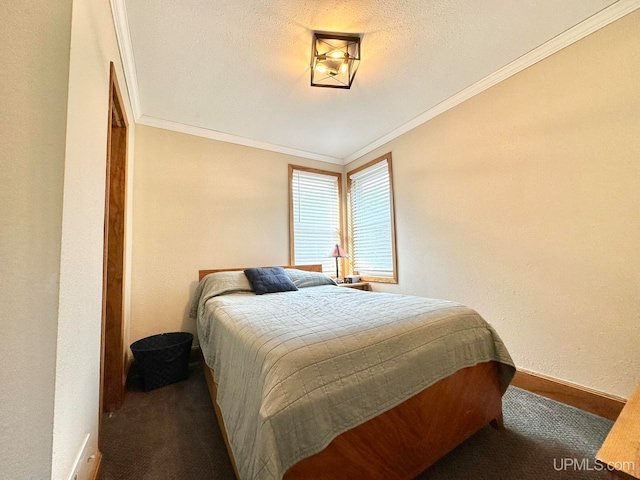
x=303, y=278
x=219, y=283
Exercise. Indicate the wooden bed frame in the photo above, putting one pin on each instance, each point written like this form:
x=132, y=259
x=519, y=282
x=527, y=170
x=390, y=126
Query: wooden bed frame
x=404, y=441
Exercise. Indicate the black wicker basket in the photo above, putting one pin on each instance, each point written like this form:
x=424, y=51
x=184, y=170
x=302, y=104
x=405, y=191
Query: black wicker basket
x=162, y=359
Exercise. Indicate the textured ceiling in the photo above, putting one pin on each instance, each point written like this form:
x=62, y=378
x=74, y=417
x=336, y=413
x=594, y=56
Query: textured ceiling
x=241, y=67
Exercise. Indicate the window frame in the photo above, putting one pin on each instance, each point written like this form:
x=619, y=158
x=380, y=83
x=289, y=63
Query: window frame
x=351, y=250
x=341, y=216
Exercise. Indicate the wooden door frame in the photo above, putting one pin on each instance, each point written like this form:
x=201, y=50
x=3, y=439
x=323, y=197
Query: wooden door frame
x=112, y=359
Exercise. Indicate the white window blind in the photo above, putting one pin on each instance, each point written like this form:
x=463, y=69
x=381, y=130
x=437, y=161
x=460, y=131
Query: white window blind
x=371, y=222
x=315, y=217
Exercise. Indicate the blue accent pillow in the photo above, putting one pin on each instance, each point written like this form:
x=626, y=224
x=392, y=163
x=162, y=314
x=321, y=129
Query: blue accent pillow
x=269, y=280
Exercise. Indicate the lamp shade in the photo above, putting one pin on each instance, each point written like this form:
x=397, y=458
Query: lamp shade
x=338, y=252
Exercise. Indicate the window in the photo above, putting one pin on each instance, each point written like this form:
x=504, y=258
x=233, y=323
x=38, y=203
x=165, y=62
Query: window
x=314, y=216
x=372, y=244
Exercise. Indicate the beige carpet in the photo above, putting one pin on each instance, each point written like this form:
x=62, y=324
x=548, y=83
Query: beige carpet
x=172, y=434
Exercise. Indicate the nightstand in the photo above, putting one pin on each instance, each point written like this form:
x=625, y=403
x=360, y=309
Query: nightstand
x=358, y=286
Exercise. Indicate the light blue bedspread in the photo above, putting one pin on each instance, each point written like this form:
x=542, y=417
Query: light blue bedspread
x=296, y=369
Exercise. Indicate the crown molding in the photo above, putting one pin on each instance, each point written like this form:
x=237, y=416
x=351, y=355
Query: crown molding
x=119, y=12
x=227, y=137
x=601, y=19
x=568, y=37
x=123, y=35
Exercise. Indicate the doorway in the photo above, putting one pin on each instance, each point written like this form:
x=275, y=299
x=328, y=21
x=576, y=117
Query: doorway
x=112, y=359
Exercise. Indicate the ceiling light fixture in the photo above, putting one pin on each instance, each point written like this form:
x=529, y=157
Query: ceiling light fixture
x=334, y=60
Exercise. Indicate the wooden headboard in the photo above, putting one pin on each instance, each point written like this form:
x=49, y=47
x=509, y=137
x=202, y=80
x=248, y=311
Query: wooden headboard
x=308, y=268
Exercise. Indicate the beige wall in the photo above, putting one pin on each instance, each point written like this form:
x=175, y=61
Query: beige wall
x=77, y=387
x=200, y=204
x=54, y=97
x=524, y=202
x=34, y=46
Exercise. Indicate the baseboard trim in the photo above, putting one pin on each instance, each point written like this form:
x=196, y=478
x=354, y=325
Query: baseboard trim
x=587, y=399
x=95, y=474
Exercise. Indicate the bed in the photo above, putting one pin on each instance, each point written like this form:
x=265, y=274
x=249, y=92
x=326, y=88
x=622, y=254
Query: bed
x=330, y=383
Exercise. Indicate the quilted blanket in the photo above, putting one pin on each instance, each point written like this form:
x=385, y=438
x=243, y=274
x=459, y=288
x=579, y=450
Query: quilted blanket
x=296, y=369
